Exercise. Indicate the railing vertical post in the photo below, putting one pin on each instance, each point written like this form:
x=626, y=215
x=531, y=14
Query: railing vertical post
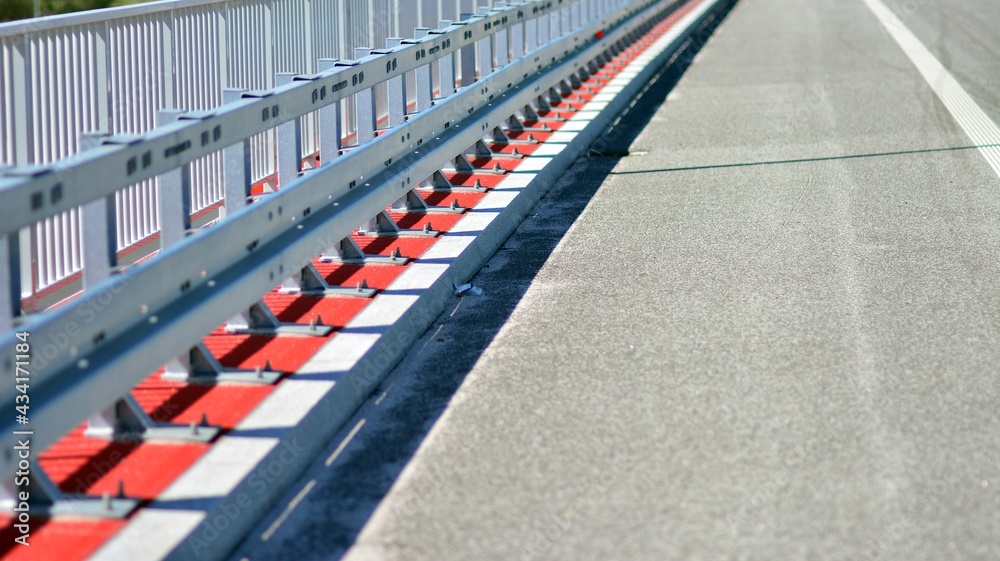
x=23, y=97
x=396, y=90
x=396, y=30
x=364, y=105
x=236, y=163
x=98, y=218
x=423, y=77
x=175, y=194
x=102, y=60
x=24, y=139
x=468, y=59
x=446, y=67
x=222, y=29
x=167, y=56
x=289, y=140
x=330, y=134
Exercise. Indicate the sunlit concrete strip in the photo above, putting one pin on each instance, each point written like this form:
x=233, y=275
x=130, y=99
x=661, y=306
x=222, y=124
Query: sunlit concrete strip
x=151, y=534
x=973, y=120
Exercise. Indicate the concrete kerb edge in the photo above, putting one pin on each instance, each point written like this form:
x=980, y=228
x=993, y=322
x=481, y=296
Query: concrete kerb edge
x=330, y=414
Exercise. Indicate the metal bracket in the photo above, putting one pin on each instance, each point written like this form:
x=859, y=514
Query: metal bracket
x=382, y=225
x=198, y=366
x=497, y=136
x=461, y=164
x=481, y=150
x=347, y=252
x=46, y=499
x=528, y=114
x=258, y=319
x=543, y=105
x=125, y=420
x=308, y=282
x=438, y=182
x=412, y=202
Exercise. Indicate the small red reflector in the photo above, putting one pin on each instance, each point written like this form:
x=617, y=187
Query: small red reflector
x=599, y=35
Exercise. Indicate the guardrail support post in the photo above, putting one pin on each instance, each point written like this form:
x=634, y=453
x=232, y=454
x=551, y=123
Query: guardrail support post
x=289, y=141
x=364, y=106
x=100, y=254
x=530, y=34
x=330, y=128
x=502, y=47
x=236, y=164
x=485, y=51
x=10, y=280
x=446, y=67
x=396, y=89
x=517, y=40
x=544, y=27
x=423, y=78
x=468, y=60
x=175, y=193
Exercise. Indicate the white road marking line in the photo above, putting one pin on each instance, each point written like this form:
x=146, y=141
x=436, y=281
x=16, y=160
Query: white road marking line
x=344, y=443
x=288, y=510
x=973, y=120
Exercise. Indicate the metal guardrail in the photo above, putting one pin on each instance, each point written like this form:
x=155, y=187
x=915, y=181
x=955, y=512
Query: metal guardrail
x=89, y=352
x=113, y=70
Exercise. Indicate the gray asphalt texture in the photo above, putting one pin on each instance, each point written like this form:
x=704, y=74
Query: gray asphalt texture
x=769, y=333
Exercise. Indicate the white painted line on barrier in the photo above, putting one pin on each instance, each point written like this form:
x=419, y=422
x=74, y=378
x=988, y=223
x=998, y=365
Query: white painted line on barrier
x=275, y=413
x=227, y=463
x=150, y=534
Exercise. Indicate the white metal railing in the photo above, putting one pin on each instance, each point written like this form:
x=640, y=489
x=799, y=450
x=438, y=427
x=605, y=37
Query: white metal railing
x=113, y=70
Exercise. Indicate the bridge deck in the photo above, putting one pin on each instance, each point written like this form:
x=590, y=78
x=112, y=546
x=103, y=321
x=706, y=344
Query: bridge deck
x=772, y=333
